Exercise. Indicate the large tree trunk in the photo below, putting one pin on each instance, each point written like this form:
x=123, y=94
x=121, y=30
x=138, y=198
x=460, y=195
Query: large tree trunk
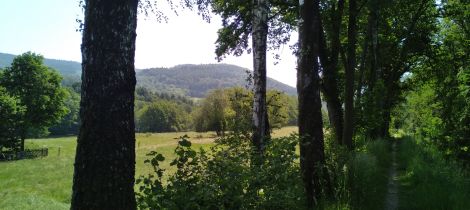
x=105, y=157
x=362, y=65
x=349, y=87
x=330, y=72
x=312, y=155
x=260, y=33
x=374, y=71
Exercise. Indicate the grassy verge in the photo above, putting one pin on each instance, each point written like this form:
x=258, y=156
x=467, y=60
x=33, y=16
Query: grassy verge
x=370, y=169
x=428, y=181
x=360, y=177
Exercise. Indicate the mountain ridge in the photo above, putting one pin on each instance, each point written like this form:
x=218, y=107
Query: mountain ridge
x=193, y=80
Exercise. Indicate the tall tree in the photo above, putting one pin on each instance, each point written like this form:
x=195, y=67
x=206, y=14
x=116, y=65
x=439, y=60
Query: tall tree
x=11, y=114
x=310, y=123
x=105, y=157
x=259, y=37
x=349, y=87
x=329, y=63
x=38, y=89
x=268, y=23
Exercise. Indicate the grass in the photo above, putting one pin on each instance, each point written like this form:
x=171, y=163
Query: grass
x=361, y=176
x=429, y=181
x=370, y=168
x=46, y=183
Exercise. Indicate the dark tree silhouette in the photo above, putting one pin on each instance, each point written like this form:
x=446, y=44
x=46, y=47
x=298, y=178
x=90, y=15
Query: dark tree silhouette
x=310, y=123
x=105, y=158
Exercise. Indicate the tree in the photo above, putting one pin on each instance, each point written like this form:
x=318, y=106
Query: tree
x=268, y=23
x=230, y=110
x=312, y=156
x=349, y=87
x=393, y=35
x=11, y=115
x=161, y=116
x=278, y=108
x=260, y=35
x=105, y=156
x=38, y=89
x=329, y=58
x=68, y=125
x=212, y=114
x=437, y=98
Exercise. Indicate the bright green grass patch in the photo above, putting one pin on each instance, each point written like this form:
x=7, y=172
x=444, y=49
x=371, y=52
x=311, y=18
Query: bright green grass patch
x=46, y=183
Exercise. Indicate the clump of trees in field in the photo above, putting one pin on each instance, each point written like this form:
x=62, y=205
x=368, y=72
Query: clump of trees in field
x=230, y=110
x=221, y=110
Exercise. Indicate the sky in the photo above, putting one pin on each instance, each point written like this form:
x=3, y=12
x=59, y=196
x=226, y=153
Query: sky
x=49, y=27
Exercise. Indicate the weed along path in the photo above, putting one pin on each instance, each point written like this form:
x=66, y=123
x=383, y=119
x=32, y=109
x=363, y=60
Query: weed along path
x=391, y=199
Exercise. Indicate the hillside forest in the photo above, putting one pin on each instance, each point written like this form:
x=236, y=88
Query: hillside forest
x=381, y=109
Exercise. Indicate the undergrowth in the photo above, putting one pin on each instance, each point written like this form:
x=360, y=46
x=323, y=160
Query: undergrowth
x=229, y=176
x=429, y=181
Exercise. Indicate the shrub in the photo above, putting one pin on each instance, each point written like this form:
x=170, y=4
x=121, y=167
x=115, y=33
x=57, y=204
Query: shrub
x=225, y=177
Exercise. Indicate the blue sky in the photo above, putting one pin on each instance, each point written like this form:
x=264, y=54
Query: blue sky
x=48, y=27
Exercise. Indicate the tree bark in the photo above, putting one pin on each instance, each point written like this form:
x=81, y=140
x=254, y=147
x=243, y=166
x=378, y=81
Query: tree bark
x=310, y=123
x=365, y=49
x=330, y=72
x=260, y=33
x=105, y=155
x=374, y=71
x=349, y=87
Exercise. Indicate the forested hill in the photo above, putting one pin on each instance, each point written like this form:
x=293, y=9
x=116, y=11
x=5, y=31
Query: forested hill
x=66, y=68
x=188, y=80
x=197, y=80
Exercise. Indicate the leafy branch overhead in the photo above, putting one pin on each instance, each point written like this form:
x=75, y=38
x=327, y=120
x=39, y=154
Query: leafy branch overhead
x=234, y=36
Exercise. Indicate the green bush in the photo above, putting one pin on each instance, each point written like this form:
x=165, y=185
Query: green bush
x=230, y=176
x=161, y=116
x=431, y=181
x=226, y=177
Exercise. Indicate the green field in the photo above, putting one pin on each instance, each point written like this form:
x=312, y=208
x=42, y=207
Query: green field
x=46, y=183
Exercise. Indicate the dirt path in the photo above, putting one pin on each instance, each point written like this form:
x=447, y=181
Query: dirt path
x=391, y=199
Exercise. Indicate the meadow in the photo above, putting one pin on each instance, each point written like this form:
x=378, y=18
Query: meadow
x=46, y=183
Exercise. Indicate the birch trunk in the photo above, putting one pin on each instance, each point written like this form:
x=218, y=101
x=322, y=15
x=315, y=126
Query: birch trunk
x=260, y=33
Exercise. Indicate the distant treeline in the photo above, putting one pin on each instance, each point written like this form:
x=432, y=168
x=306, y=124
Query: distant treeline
x=221, y=110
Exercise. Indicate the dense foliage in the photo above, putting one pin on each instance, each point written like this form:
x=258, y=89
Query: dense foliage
x=430, y=180
x=38, y=89
x=11, y=114
x=69, y=124
x=230, y=110
x=436, y=106
x=161, y=116
x=224, y=178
